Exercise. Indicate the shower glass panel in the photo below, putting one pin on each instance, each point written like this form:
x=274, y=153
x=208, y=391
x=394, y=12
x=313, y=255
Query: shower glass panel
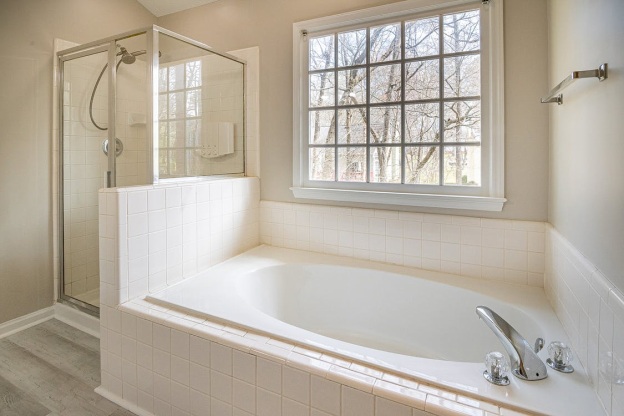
x=170, y=107
x=200, y=111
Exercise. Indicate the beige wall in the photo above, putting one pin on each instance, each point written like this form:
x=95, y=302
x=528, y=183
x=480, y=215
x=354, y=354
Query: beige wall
x=235, y=24
x=586, y=203
x=28, y=29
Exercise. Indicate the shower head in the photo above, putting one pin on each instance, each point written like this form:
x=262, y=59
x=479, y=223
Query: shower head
x=126, y=57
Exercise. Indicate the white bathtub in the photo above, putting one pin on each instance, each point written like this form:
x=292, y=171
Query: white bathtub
x=414, y=322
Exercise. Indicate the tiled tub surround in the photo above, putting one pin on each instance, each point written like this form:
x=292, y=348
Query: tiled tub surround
x=145, y=363
x=502, y=250
x=591, y=309
x=158, y=361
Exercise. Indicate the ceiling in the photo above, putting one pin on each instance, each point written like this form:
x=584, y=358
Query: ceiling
x=163, y=7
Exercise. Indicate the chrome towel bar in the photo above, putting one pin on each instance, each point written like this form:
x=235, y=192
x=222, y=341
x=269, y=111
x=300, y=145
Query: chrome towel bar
x=555, y=95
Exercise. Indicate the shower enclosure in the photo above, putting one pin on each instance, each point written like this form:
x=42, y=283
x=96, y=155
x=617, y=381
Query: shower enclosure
x=143, y=107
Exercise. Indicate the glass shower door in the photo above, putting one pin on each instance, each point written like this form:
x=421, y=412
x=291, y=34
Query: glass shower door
x=84, y=173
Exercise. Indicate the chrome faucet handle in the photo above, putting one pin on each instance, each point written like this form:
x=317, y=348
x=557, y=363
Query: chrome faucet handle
x=539, y=344
x=560, y=357
x=496, y=368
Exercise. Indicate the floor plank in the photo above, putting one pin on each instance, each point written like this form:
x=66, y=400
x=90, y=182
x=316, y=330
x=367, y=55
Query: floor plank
x=53, y=368
x=15, y=402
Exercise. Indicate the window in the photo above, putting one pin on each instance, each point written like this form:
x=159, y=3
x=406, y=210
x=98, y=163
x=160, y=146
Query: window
x=398, y=110
x=179, y=114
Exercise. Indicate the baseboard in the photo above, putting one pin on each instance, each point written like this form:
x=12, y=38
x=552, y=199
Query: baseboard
x=77, y=319
x=26, y=321
x=121, y=402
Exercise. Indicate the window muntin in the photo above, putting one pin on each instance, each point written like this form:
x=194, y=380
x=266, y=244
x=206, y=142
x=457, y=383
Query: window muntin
x=398, y=103
x=179, y=114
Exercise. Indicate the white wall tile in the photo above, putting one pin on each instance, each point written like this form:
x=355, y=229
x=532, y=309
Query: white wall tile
x=180, y=344
x=161, y=337
x=180, y=370
x=180, y=398
x=137, y=202
x=244, y=366
x=357, y=403
x=268, y=403
x=296, y=385
x=269, y=375
x=244, y=395
x=221, y=386
x=221, y=358
x=199, y=378
x=384, y=407
x=293, y=408
x=325, y=395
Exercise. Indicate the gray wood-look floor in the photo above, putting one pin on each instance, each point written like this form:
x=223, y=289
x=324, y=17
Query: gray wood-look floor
x=51, y=369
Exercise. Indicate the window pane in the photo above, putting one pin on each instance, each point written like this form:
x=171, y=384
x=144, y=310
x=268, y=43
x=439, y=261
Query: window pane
x=462, y=121
x=193, y=133
x=462, y=165
x=193, y=103
x=176, y=133
x=192, y=165
x=322, y=164
x=176, y=162
x=385, y=164
x=422, y=165
x=322, y=130
x=352, y=125
x=385, y=124
x=162, y=106
x=385, y=43
x=422, y=80
x=385, y=83
x=422, y=37
x=163, y=166
x=352, y=87
x=162, y=134
x=162, y=79
x=352, y=164
x=321, y=53
x=176, y=105
x=176, y=77
x=422, y=122
x=352, y=48
x=193, y=74
x=462, y=76
x=322, y=89
x=461, y=32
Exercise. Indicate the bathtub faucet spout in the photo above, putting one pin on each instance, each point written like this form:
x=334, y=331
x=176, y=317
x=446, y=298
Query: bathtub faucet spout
x=525, y=364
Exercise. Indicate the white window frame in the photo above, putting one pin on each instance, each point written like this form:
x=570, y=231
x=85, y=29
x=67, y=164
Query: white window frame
x=487, y=197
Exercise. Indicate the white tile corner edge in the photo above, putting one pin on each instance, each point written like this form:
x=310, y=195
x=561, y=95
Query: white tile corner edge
x=591, y=309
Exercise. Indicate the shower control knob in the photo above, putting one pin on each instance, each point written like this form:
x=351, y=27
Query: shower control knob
x=560, y=357
x=496, y=368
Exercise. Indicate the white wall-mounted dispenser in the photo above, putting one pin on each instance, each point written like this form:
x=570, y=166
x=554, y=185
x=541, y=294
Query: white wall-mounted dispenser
x=217, y=139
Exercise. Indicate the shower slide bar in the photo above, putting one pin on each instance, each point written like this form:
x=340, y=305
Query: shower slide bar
x=555, y=95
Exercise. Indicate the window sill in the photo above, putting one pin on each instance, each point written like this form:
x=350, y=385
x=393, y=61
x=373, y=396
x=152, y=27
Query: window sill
x=476, y=203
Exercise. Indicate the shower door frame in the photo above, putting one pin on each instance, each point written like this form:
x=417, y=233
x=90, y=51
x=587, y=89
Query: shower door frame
x=110, y=44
